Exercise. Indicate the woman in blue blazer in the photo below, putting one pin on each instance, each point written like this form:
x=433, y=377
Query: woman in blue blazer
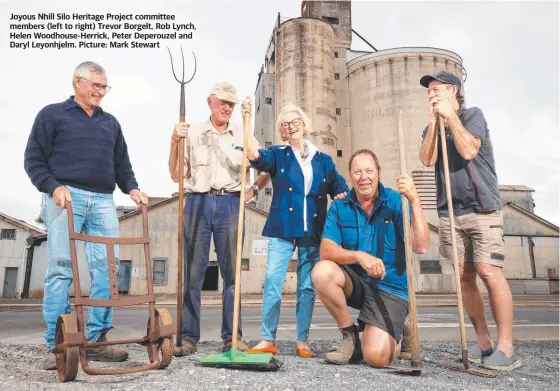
x=302, y=178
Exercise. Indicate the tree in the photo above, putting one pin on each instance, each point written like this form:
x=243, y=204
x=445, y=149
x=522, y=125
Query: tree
x=39, y=220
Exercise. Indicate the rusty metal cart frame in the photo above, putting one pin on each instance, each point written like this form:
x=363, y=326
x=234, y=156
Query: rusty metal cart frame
x=70, y=339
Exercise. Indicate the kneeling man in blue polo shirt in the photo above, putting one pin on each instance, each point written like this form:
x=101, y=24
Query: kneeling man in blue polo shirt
x=363, y=263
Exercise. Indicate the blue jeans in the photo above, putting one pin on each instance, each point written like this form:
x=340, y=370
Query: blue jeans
x=94, y=214
x=205, y=216
x=280, y=251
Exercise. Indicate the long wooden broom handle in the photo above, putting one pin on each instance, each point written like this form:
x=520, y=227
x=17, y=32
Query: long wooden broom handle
x=237, y=295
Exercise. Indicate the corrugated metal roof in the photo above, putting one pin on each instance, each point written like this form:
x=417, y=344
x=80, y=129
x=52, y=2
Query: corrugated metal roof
x=532, y=215
x=515, y=188
x=22, y=224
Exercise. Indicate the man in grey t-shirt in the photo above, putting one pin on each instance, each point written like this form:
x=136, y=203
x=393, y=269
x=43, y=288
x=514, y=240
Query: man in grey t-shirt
x=478, y=213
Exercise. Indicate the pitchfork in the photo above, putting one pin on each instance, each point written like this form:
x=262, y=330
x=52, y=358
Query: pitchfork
x=178, y=350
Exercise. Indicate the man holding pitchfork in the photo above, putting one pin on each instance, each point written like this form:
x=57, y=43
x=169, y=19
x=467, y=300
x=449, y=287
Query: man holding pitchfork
x=212, y=161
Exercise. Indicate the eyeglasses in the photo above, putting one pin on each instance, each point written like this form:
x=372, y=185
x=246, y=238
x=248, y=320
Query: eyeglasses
x=97, y=86
x=294, y=124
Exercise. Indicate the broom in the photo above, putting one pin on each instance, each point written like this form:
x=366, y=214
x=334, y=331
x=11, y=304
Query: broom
x=234, y=358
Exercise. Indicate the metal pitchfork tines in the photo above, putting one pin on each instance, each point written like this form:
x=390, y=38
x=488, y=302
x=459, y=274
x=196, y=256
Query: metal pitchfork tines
x=182, y=81
x=178, y=350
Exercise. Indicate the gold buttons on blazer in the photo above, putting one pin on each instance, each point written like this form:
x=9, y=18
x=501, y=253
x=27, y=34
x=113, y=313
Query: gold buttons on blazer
x=281, y=170
x=289, y=189
x=315, y=215
x=291, y=209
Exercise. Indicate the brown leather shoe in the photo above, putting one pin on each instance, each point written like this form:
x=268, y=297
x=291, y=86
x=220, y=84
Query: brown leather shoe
x=187, y=347
x=241, y=346
x=49, y=362
x=351, y=350
x=406, y=342
x=106, y=353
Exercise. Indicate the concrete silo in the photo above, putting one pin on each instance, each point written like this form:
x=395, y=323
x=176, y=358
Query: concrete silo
x=305, y=76
x=379, y=84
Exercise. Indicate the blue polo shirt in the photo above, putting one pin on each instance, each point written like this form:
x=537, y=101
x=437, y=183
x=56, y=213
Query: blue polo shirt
x=379, y=234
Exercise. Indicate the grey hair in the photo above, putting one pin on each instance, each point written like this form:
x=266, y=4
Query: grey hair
x=288, y=109
x=85, y=68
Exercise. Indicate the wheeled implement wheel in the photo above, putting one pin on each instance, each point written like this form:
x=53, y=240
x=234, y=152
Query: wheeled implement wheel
x=67, y=359
x=164, y=346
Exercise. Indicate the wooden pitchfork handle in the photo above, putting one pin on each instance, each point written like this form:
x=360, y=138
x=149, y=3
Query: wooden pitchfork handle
x=416, y=360
x=464, y=351
x=181, y=161
x=181, y=158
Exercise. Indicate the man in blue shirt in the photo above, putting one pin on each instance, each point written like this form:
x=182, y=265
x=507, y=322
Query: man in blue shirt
x=363, y=263
x=76, y=152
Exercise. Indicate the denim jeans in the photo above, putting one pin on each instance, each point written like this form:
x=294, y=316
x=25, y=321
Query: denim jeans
x=280, y=251
x=94, y=214
x=205, y=216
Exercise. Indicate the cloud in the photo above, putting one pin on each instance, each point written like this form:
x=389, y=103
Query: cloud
x=138, y=90
x=458, y=41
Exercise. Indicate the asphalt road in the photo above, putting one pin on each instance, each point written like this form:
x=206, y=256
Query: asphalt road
x=26, y=326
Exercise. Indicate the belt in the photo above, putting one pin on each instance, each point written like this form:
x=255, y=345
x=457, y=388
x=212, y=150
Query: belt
x=223, y=192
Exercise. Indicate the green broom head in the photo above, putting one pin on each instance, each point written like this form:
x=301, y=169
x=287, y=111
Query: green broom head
x=235, y=359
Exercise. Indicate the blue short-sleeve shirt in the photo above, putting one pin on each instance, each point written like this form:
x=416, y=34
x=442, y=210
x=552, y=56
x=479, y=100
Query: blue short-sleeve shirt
x=379, y=234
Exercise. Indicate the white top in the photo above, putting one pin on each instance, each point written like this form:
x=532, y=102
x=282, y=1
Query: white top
x=307, y=175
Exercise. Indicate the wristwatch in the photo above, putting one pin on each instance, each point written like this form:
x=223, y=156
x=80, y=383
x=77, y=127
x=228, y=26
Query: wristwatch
x=255, y=188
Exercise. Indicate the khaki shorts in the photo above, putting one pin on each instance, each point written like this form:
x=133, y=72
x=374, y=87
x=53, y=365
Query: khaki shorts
x=479, y=238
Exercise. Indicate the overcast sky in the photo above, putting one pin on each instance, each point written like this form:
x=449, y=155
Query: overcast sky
x=510, y=51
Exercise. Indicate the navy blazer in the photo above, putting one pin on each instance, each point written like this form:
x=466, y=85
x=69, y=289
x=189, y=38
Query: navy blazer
x=285, y=218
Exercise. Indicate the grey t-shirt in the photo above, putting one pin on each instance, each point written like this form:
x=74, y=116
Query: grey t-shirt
x=474, y=183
